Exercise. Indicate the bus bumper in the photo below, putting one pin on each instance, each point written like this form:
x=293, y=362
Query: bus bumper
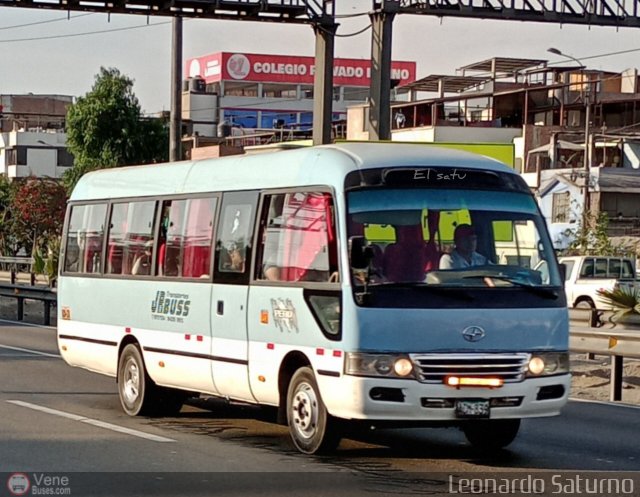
x=351, y=397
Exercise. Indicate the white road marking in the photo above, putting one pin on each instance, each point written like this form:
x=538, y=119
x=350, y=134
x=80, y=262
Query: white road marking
x=93, y=422
x=30, y=351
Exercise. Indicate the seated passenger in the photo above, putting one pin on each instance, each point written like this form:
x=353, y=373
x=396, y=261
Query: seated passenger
x=464, y=254
x=236, y=259
x=271, y=273
x=142, y=264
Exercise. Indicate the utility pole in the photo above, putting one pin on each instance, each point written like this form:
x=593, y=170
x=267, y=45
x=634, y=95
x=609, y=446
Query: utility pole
x=586, y=98
x=380, y=92
x=323, y=83
x=587, y=151
x=175, y=126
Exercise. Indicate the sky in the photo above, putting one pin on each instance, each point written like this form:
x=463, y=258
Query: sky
x=52, y=52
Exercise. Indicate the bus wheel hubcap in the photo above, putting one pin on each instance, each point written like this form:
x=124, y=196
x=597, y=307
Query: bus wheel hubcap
x=305, y=410
x=131, y=387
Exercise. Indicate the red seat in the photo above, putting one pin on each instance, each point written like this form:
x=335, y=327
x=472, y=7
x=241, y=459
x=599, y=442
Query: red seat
x=406, y=259
x=195, y=261
x=432, y=250
x=114, y=259
x=432, y=256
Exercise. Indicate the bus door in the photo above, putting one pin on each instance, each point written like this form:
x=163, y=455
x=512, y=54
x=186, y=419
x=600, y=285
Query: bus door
x=294, y=303
x=229, y=344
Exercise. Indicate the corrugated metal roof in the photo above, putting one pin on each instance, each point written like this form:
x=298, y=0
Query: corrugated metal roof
x=508, y=65
x=450, y=84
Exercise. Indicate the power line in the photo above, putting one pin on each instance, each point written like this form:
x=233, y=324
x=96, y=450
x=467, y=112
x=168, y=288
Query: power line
x=346, y=35
x=2, y=28
x=347, y=16
x=356, y=33
x=73, y=35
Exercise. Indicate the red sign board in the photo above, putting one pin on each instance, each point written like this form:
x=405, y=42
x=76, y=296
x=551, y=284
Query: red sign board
x=288, y=69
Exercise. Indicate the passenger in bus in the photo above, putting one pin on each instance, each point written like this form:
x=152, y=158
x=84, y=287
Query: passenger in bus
x=235, y=262
x=464, y=254
x=142, y=264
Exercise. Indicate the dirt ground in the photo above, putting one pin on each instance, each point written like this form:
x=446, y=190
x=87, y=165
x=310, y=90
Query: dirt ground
x=590, y=376
x=591, y=379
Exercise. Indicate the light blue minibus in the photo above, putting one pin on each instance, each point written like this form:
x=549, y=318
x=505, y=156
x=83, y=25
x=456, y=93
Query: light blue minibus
x=312, y=280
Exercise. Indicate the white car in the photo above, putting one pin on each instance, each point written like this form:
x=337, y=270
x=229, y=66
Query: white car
x=586, y=274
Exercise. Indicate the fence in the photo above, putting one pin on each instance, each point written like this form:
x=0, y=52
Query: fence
x=18, y=265
x=594, y=333
x=46, y=295
x=20, y=269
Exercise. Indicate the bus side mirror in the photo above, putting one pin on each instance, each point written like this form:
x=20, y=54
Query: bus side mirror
x=563, y=271
x=360, y=254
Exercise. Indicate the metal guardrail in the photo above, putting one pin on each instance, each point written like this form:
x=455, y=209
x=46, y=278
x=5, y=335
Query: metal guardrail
x=17, y=265
x=593, y=337
x=599, y=336
x=46, y=295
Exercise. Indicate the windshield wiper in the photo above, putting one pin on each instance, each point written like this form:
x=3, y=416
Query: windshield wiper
x=549, y=293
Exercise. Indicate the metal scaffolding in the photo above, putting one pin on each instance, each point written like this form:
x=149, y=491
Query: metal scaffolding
x=620, y=13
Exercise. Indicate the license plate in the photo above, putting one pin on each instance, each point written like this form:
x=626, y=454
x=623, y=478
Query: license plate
x=472, y=408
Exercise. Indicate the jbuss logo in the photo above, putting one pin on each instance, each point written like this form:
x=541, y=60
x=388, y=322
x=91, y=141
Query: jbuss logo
x=238, y=66
x=170, y=306
x=18, y=484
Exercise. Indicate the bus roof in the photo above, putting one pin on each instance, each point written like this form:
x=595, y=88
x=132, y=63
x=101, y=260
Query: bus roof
x=321, y=165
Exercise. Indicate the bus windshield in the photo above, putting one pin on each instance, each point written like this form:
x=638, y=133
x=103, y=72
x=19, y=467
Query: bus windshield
x=457, y=237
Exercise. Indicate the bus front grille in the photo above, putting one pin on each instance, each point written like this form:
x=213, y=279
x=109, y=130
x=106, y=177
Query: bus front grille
x=434, y=368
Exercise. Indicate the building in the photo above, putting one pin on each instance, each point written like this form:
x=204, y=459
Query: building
x=32, y=137
x=259, y=93
x=576, y=131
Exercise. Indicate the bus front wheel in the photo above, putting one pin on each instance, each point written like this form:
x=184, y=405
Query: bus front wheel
x=491, y=435
x=311, y=427
x=135, y=388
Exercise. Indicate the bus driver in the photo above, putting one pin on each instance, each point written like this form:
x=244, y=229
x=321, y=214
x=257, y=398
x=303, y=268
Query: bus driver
x=464, y=254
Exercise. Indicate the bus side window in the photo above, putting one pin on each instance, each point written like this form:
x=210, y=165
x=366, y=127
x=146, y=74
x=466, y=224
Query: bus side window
x=233, y=237
x=170, y=254
x=198, y=234
x=137, y=238
x=298, y=240
x=186, y=232
x=115, y=243
x=85, y=236
x=271, y=260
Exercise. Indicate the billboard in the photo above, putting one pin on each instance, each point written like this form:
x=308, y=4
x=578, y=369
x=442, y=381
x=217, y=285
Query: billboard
x=504, y=152
x=287, y=69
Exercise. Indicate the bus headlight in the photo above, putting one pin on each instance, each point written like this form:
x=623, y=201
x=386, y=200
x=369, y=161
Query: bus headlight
x=548, y=363
x=380, y=365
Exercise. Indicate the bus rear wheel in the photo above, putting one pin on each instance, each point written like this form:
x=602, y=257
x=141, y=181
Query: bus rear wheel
x=311, y=427
x=137, y=392
x=491, y=435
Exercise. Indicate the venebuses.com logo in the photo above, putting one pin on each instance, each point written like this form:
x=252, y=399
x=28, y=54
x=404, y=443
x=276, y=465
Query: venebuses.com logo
x=38, y=484
x=18, y=484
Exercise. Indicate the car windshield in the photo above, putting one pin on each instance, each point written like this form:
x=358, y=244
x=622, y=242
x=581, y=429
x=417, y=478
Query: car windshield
x=447, y=238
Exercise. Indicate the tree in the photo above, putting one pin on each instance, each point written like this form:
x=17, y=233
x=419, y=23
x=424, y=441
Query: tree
x=105, y=129
x=6, y=236
x=591, y=237
x=38, y=207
